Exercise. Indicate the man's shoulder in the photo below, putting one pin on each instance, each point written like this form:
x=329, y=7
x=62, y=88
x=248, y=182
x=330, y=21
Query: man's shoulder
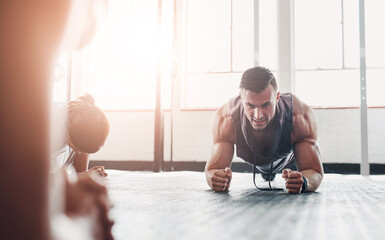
x=223, y=116
x=305, y=125
x=223, y=126
x=300, y=108
x=223, y=111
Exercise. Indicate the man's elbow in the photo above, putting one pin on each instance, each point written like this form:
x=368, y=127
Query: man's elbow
x=314, y=179
x=318, y=177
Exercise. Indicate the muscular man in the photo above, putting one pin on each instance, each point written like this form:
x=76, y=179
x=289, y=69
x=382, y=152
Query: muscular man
x=271, y=131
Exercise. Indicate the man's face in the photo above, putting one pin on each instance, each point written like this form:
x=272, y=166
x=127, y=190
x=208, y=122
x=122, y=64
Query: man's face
x=260, y=107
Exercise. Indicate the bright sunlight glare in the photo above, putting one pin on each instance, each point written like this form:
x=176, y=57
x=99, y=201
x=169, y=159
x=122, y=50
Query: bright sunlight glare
x=123, y=58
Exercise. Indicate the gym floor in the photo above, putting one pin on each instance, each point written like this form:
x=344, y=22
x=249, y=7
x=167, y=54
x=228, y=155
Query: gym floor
x=180, y=205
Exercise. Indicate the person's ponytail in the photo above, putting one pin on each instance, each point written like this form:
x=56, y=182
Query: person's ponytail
x=87, y=98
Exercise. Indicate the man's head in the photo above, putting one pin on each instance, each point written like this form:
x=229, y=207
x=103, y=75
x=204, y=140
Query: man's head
x=259, y=93
x=87, y=125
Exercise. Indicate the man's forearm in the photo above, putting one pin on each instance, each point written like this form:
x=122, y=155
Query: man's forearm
x=208, y=174
x=313, y=178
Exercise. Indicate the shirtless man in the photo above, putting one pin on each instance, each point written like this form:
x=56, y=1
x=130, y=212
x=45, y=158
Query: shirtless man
x=272, y=131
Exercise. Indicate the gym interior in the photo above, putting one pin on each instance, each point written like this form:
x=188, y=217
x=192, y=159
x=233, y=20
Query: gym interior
x=160, y=69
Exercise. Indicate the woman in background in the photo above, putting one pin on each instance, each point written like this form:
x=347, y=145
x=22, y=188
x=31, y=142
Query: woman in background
x=87, y=130
x=81, y=205
x=32, y=33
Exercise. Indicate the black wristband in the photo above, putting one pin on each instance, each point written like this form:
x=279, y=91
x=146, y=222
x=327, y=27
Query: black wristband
x=304, y=185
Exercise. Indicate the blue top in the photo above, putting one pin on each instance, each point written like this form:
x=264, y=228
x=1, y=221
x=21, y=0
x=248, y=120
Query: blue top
x=281, y=151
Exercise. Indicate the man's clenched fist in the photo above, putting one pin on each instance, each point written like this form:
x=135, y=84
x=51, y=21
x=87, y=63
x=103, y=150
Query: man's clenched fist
x=219, y=179
x=294, y=181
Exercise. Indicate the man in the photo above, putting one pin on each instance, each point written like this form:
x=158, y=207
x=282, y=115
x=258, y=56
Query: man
x=271, y=131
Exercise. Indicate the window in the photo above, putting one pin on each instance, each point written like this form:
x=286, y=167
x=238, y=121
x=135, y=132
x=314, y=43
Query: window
x=327, y=52
x=375, y=51
x=268, y=34
x=213, y=52
x=220, y=49
x=123, y=57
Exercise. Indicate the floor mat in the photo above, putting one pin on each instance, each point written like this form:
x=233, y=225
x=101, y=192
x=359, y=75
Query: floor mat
x=180, y=205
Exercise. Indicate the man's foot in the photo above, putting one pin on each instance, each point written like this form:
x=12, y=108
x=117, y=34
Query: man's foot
x=266, y=176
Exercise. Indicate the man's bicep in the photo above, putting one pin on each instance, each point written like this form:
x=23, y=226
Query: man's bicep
x=221, y=155
x=308, y=156
x=223, y=133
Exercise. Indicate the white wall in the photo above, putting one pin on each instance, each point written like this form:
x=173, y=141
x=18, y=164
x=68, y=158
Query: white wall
x=131, y=136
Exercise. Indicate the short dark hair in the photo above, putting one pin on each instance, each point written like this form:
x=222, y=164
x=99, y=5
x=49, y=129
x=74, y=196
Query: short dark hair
x=257, y=79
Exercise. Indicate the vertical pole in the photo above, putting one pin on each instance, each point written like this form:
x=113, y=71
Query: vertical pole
x=256, y=33
x=158, y=135
x=285, y=21
x=177, y=11
x=343, y=33
x=363, y=105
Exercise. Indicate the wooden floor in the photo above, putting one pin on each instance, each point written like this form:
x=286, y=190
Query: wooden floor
x=180, y=205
